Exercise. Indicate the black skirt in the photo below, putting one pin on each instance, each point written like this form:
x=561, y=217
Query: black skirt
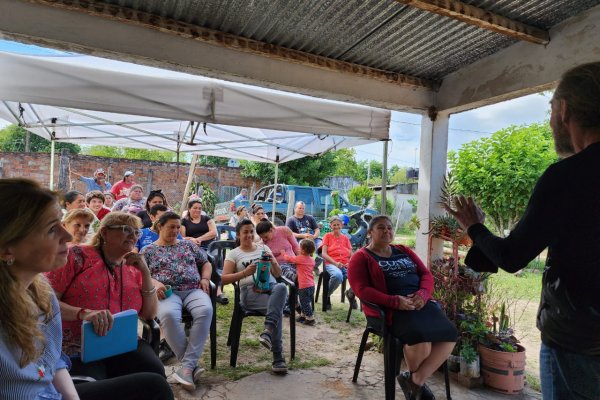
x=428, y=324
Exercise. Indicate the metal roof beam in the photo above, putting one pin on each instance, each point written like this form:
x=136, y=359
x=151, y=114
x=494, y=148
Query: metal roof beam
x=482, y=19
x=522, y=68
x=234, y=42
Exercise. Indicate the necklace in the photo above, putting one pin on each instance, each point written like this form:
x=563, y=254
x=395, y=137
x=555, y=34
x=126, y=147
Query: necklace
x=110, y=270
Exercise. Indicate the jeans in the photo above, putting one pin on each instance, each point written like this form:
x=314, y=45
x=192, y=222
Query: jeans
x=306, y=296
x=198, y=304
x=271, y=305
x=336, y=276
x=566, y=375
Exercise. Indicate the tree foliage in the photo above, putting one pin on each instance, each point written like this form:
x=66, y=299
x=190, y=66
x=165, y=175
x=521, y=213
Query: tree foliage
x=12, y=138
x=501, y=171
x=213, y=161
x=360, y=195
x=132, y=154
x=307, y=171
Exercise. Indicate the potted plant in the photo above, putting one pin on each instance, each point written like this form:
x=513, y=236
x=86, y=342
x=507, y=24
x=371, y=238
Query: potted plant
x=469, y=363
x=502, y=357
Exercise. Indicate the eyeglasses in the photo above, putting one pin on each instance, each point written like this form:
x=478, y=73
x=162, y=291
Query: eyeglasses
x=127, y=229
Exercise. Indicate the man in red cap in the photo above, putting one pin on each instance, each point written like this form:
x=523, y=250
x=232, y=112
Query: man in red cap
x=98, y=182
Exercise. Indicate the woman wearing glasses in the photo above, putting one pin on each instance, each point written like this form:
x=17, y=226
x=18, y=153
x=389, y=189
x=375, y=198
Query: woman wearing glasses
x=99, y=280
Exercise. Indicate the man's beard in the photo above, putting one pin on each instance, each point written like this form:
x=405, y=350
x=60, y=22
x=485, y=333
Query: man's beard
x=562, y=141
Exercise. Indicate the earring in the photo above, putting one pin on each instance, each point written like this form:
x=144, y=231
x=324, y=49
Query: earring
x=10, y=261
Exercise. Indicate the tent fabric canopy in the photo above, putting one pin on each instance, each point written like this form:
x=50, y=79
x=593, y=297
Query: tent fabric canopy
x=90, y=100
x=101, y=128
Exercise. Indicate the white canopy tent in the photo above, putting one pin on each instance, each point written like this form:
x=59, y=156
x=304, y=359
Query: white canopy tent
x=89, y=100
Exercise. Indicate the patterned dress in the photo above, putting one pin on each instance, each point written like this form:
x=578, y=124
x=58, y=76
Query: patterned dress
x=176, y=265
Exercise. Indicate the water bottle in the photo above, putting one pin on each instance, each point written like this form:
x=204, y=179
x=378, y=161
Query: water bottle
x=263, y=274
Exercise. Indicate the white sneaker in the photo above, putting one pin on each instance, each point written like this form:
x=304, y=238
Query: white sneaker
x=185, y=378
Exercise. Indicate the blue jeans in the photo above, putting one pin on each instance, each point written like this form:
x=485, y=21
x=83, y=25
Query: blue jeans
x=566, y=375
x=336, y=276
x=306, y=296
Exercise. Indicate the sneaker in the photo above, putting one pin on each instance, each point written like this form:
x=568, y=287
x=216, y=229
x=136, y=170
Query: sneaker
x=265, y=338
x=426, y=393
x=352, y=298
x=310, y=322
x=222, y=300
x=279, y=366
x=301, y=319
x=185, y=378
x=411, y=390
x=198, y=371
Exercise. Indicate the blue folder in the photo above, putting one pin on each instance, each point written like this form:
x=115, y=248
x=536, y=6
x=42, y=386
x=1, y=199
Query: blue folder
x=122, y=338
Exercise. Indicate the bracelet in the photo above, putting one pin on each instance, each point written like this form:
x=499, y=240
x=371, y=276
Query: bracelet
x=81, y=311
x=202, y=279
x=149, y=292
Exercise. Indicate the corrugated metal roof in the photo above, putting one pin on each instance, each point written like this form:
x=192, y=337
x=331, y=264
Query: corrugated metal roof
x=379, y=34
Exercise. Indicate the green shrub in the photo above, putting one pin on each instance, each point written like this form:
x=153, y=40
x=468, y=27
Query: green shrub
x=360, y=195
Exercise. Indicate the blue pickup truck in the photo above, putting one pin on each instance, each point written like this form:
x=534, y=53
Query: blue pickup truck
x=317, y=199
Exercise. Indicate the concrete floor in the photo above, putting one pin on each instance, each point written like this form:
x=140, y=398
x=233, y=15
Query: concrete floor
x=332, y=382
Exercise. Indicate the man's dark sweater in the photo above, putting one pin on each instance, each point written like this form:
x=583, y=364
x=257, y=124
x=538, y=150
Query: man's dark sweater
x=563, y=214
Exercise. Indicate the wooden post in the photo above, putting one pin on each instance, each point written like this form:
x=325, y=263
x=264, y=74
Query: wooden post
x=188, y=184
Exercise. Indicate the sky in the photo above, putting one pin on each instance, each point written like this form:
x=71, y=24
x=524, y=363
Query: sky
x=405, y=128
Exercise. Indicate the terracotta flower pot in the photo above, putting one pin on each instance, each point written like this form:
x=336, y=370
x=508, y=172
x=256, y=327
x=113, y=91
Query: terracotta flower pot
x=503, y=371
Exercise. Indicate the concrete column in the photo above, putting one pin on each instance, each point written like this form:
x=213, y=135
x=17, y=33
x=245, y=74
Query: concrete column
x=432, y=168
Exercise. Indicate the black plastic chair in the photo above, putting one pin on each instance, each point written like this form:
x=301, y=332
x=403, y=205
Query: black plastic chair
x=324, y=281
x=225, y=228
x=151, y=333
x=217, y=249
x=392, y=353
x=239, y=313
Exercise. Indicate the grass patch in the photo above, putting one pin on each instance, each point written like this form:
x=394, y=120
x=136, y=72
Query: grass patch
x=533, y=382
x=526, y=286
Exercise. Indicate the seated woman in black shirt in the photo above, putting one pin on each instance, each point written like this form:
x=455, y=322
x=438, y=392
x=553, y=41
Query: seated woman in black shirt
x=394, y=278
x=198, y=228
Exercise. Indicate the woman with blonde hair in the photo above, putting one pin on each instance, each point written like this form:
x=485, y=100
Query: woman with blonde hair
x=33, y=241
x=100, y=279
x=77, y=222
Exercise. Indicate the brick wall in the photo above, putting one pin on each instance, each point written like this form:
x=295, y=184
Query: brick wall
x=171, y=177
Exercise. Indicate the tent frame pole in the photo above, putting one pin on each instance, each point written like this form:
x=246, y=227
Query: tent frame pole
x=52, y=154
x=275, y=188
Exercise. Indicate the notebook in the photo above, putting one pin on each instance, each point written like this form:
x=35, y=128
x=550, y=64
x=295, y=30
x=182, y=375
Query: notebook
x=122, y=338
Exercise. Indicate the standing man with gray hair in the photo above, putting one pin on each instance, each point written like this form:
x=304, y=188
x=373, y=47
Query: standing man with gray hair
x=563, y=215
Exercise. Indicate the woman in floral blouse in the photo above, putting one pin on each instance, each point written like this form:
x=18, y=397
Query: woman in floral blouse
x=185, y=267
